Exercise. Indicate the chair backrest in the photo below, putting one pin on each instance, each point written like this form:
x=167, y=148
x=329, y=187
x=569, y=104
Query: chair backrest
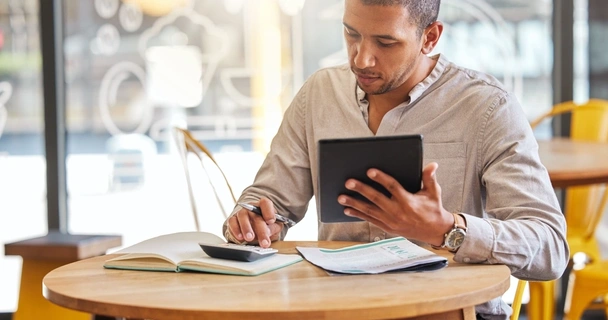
x=517, y=300
x=589, y=122
x=188, y=145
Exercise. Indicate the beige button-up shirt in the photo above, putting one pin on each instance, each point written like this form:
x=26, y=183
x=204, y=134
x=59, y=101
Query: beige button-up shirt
x=489, y=168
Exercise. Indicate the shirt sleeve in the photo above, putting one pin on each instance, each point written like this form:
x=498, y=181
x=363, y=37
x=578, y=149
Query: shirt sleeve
x=524, y=227
x=285, y=174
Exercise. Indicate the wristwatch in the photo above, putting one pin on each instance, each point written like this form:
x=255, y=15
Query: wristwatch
x=453, y=239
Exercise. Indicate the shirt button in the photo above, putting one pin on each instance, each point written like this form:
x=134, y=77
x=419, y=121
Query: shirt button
x=377, y=239
x=467, y=260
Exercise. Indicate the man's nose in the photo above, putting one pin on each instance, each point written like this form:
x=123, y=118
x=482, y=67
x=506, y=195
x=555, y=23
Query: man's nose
x=364, y=57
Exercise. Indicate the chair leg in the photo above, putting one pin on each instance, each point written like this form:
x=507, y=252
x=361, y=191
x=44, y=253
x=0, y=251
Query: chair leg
x=542, y=300
x=574, y=311
x=581, y=293
x=32, y=305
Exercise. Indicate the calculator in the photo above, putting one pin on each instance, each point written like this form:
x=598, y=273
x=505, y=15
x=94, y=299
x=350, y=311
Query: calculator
x=238, y=252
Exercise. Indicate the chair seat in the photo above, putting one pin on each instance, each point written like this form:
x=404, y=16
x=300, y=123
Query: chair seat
x=594, y=275
x=588, y=246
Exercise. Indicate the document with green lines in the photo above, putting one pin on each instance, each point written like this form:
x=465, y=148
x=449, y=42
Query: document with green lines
x=396, y=254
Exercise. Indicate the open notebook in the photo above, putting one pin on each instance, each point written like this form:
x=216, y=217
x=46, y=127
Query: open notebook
x=179, y=252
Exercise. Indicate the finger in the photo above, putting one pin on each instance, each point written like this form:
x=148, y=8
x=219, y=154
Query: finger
x=244, y=220
x=388, y=182
x=362, y=209
x=268, y=210
x=234, y=228
x=374, y=196
x=262, y=231
x=352, y=212
x=429, y=178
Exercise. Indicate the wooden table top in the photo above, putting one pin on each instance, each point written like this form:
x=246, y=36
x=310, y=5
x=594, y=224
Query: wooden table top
x=298, y=291
x=572, y=162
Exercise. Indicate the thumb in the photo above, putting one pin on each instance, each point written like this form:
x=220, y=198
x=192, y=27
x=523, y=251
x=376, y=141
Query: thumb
x=429, y=178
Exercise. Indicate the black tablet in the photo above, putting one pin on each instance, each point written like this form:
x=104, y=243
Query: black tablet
x=341, y=159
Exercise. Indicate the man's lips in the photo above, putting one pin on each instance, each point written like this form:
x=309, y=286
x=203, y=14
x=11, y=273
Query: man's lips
x=366, y=79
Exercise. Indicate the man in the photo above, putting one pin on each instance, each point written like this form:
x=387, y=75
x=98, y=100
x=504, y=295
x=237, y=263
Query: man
x=482, y=182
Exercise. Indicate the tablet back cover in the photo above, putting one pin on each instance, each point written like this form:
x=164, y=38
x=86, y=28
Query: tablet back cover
x=342, y=159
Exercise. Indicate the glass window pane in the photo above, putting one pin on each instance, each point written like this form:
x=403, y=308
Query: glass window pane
x=22, y=163
x=508, y=39
x=136, y=69
x=227, y=70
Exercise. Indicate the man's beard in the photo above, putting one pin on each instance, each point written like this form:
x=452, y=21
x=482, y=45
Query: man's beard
x=383, y=89
x=390, y=85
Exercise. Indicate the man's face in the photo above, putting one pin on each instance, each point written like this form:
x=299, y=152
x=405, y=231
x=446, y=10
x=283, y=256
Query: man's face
x=383, y=46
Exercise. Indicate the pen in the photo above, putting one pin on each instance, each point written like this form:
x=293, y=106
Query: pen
x=255, y=209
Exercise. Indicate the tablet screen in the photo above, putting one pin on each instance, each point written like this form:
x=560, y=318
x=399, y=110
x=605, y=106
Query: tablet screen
x=342, y=159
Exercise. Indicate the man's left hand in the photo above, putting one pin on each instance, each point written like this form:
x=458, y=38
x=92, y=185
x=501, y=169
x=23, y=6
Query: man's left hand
x=419, y=216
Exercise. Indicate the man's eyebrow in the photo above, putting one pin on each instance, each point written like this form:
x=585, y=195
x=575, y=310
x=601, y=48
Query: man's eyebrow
x=381, y=36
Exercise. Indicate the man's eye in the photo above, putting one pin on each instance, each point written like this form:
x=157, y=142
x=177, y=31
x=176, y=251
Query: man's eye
x=385, y=44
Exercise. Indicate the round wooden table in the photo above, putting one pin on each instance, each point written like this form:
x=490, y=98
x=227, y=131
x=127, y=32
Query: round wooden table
x=572, y=163
x=299, y=291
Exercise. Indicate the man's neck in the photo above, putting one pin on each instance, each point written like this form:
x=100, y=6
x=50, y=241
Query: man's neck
x=380, y=104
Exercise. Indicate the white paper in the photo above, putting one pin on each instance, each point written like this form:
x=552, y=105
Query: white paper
x=376, y=257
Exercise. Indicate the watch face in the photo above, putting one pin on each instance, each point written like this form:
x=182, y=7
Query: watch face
x=455, y=238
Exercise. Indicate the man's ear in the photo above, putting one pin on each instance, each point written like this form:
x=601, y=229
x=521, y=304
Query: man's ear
x=431, y=36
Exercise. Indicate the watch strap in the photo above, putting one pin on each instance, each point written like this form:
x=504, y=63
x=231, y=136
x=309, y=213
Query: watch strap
x=456, y=225
x=445, y=236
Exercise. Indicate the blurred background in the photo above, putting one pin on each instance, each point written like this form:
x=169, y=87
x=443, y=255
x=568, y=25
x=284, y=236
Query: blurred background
x=226, y=70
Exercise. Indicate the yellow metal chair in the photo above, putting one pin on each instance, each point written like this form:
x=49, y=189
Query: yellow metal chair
x=583, y=206
x=519, y=294
x=585, y=286
x=222, y=191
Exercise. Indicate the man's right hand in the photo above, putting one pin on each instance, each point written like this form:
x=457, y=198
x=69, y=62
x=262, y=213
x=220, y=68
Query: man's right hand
x=246, y=226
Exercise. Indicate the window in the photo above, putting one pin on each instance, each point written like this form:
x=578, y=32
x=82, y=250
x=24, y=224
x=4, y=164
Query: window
x=227, y=70
x=22, y=163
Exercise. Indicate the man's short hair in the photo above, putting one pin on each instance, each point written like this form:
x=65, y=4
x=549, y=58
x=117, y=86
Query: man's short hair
x=422, y=12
